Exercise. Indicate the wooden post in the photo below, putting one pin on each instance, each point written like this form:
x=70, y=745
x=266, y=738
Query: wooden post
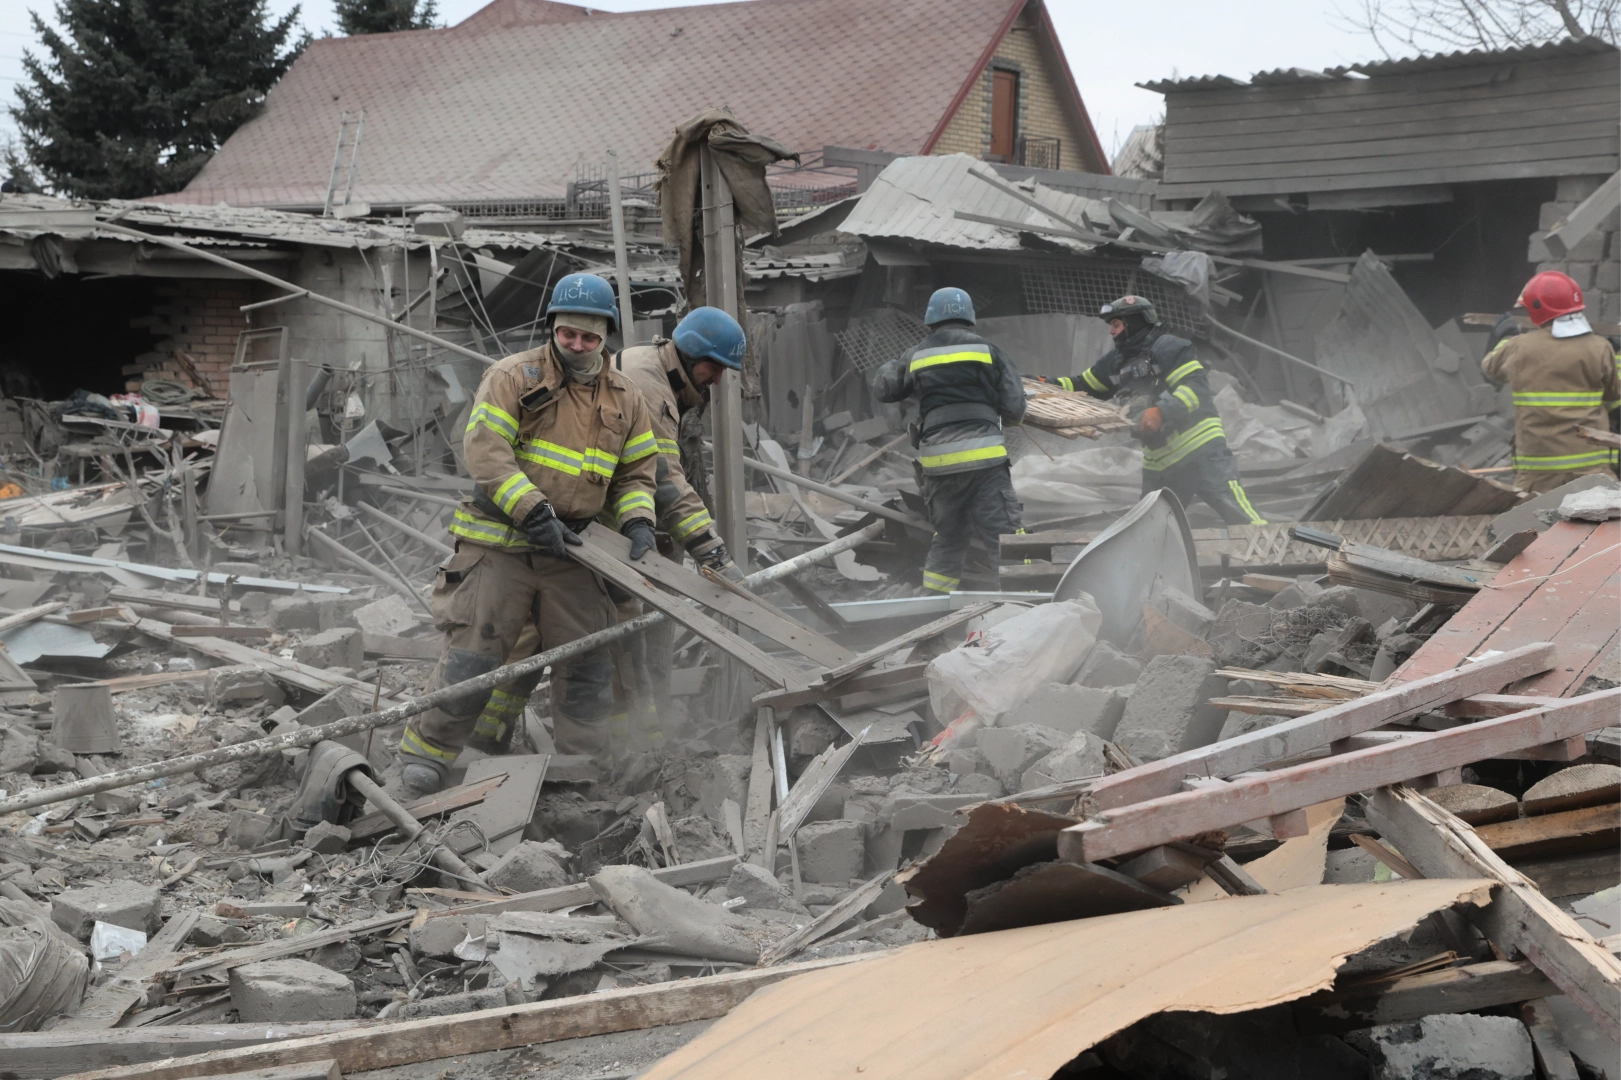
x=726, y=413
x=627, y=314
x=298, y=380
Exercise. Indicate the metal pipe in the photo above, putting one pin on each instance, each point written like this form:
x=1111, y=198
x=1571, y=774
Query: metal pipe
x=409, y=827
x=899, y=516
x=309, y=736
x=627, y=314
x=347, y=309
x=401, y=527
x=1279, y=352
x=343, y=554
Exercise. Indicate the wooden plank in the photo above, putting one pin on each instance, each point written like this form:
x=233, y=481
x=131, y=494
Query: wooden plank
x=300, y=675
x=810, y=786
x=1466, y=632
x=911, y=637
x=758, y=813
x=1552, y=1054
x=108, y=1002
x=1292, y=737
x=1574, y=227
x=205, y=605
x=374, y=825
x=382, y=1046
x=739, y=606
x=1385, y=160
x=555, y=899
x=307, y=1070
x=229, y=633
x=1586, y=164
x=1450, y=990
x=1222, y=805
x=1520, y=919
x=40, y=1055
x=768, y=668
x=881, y=679
x=273, y=950
x=1564, y=833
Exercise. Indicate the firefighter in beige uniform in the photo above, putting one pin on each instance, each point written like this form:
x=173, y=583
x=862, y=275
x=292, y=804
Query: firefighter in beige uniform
x=556, y=436
x=1564, y=377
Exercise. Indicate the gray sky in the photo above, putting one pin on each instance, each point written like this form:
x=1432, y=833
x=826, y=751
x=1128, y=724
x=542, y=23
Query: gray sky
x=1109, y=48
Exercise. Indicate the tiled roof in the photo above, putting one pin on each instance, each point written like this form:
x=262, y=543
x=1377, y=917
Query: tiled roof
x=510, y=104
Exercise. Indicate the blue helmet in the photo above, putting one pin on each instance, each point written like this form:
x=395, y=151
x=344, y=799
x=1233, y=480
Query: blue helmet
x=948, y=304
x=584, y=294
x=709, y=333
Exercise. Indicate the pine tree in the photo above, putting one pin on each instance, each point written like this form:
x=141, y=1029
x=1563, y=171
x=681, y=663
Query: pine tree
x=384, y=16
x=136, y=95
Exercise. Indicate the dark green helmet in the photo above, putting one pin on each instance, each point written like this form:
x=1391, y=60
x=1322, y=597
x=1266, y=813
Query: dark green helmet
x=1130, y=305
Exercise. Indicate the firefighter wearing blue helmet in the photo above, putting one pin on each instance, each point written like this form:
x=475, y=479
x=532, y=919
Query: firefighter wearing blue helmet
x=966, y=391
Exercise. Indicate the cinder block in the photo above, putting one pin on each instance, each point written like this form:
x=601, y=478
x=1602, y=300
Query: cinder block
x=1077, y=759
x=122, y=903
x=1552, y=213
x=1169, y=711
x=1012, y=750
x=341, y=647
x=282, y=991
x=1072, y=709
x=234, y=687
x=437, y=938
x=830, y=852
x=1573, y=189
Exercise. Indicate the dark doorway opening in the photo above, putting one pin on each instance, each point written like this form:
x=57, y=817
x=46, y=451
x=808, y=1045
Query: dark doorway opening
x=66, y=333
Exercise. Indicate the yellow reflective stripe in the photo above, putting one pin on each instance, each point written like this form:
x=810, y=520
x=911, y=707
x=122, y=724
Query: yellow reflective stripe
x=643, y=445
x=975, y=356
x=494, y=418
x=1244, y=503
x=1561, y=462
x=1610, y=405
x=1556, y=398
x=553, y=456
x=600, y=461
x=484, y=531
x=635, y=500
x=981, y=453
x=1186, y=396
x=416, y=745
x=507, y=495
x=1183, y=372
x=670, y=446
x=687, y=526
x=1183, y=444
x=1093, y=381
x=939, y=582
x=1066, y=382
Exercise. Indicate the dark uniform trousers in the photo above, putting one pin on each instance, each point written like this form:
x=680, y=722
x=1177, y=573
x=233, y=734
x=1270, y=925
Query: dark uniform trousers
x=1210, y=473
x=962, y=506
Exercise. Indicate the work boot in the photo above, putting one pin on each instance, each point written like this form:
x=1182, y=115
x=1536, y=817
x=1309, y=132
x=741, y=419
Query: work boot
x=419, y=779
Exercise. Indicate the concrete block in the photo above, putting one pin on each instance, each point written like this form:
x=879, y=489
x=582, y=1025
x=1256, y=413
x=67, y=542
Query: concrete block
x=1238, y=623
x=1107, y=666
x=1012, y=750
x=759, y=889
x=282, y=991
x=299, y=612
x=1607, y=276
x=717, y=779
x=391, y=615
x=830, y=852
x=809, y=732
x=1293, y=596
x=1589, y=249
x=964, y=761
x=326, y=838
x=1552, y=213
x=684, y=924
x=528, y=867
x=437, y=938
x=1581, y=273
x=122, y=903
x=1448, y=1046
x=979, y=785
x=884, y=850
x=19, y=749
x=1169, y=711
x=235, y=687
x=341, y=647
x=1081, y=757
x=867, y=430
x=247, y=829
x=1573, y=189
x=1071, y=709
x=1184, y=611
x=450, y=1004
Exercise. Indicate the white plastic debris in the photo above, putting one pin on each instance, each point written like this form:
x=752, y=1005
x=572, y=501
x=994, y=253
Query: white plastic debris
x=996, y=669
x=109, y=942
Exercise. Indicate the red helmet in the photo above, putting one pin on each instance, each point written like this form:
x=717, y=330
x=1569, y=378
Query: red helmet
x=1549, y=295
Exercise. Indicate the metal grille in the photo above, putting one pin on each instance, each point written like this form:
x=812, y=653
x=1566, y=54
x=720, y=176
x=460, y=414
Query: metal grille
x=1072, y=288
x=881, y=337
x=1039, y=151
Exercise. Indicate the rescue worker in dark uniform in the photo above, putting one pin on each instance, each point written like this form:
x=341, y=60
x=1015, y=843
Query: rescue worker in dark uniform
x=966, y=390
x=1184, y=446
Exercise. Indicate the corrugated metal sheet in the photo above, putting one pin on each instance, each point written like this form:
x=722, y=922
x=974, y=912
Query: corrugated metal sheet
x=1476, y=57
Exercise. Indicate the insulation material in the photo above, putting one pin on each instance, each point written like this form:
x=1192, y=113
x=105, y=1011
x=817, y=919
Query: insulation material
x=1085, y=481
x=996, y=669
x=1039, y=995
x=43, y=973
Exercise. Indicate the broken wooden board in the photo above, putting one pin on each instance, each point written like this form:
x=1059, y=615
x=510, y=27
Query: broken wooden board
x=274, y=950
x=1565, y=588
x=580, y=893
x=1318, y=729
x=875, y=680
x=366, y=829
x=314, y=679
x=1433, y=538
x=108, y=1002
x=42, y=1055
x=1388, y=480
x=1471, y=988
x=381, y=1046
x=1054, y=891
x=501, y=817
x=1399, y=577
x=922, y=633
x=1217, y=804
x=1567, y=832
x=1520, y=919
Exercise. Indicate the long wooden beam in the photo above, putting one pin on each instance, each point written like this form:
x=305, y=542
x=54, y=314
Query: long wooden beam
x=1305, y=733
x=1520, y=919
x=42, y=1055
x=382, y=1046
x=1219, y=804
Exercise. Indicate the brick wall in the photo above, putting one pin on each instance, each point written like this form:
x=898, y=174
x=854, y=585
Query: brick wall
x=201, y=318
x=1595, y=263
x=1041, y=97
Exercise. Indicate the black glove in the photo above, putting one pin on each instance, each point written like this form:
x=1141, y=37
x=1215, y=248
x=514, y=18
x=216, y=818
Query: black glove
x=547, y=533
x=720, y=562
x=640, y=531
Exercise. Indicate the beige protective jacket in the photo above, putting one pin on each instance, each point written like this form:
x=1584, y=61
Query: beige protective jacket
x=533, y=434
x=1559, y=384
x=656, y=370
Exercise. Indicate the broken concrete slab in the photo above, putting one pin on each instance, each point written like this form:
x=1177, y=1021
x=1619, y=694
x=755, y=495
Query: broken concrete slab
x=325, y=838
x=830, y=852
x=531, y=948
x=1448, y=1046
x=280, y=991
x=1169, y=711
x=527, y=867
x=234, y=687
x=342, y=647
x=121, y=903
x=438, y=938
x=1107, y=666
x=681, y=923
x=391, y=616
x=1012, y=750
x=1081, y=757
x=1071, y=709
x=760, y=889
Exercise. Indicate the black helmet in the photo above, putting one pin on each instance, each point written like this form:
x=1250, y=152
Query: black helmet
x=1130, y=305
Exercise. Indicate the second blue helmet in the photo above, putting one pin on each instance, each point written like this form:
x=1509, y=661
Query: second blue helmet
x=709, y=333
x=947, y=304
x=584, y=294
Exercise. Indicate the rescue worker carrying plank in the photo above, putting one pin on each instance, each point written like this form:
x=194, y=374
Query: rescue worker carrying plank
x=966, y=390
x=555, y=437
x=1184, y=445
x=1564, y=377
